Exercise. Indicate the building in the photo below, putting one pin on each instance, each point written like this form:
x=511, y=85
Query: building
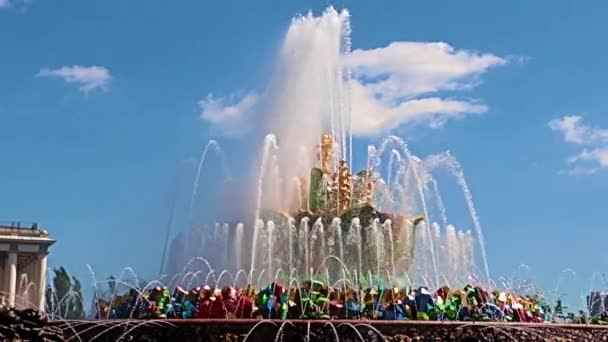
x=23, y=265
x=597, y=303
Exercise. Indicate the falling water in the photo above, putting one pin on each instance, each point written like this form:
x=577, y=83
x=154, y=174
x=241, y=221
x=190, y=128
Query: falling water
x=306, y=228
x=454, y=167
x=356, y=226
x=310, y=62
x=377, y=238
x=388, y=230
x=336, y=227
x=238, y=245
x=429, y=236
x=451, y=254
x=178, y=175
x=211, y=144
x=318, y=241
x=270, y=228
x=226, y=245
x=291, y=232
x=395, y=156
x=259, y=225
x=414, y=161
x=270, y=145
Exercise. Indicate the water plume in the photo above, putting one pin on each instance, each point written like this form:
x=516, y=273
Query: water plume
x=394, y=218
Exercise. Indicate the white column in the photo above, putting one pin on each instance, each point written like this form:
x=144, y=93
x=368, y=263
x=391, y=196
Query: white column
x=12, y=278
x=5, y=277
x=41, y=278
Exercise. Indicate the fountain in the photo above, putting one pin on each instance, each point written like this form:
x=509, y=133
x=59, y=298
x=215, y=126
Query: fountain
x=334, y=199
x=322, y=241
x=313, y=218
x=332, y=224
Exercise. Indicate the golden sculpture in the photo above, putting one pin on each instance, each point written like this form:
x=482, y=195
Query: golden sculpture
x=327, y=153
x=344, y=187
x=339, y=183
x=333, y=192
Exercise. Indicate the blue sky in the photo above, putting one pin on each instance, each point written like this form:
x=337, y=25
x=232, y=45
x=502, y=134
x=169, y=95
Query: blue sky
x=91, y=154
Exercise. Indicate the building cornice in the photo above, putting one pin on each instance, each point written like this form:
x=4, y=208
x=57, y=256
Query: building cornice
x=26, y=239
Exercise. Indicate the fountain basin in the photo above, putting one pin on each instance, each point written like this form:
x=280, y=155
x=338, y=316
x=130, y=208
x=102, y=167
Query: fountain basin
x=196, y=330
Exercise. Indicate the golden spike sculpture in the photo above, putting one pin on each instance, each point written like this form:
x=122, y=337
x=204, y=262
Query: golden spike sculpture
x=344, y=187
x=326, y=152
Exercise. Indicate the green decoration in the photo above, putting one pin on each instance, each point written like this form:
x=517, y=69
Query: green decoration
x=316, y=194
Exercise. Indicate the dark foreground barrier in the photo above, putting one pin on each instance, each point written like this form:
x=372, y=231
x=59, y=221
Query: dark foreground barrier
x=27, y=325
x=310, y=331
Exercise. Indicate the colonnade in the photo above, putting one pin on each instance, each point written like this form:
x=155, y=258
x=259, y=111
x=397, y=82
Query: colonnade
x=28, y=260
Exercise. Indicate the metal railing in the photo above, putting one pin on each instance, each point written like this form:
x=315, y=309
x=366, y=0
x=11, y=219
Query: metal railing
x=18, y=225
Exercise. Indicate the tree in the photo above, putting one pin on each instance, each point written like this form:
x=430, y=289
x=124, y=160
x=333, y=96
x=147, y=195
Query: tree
x=112, y=285
x=64, y=298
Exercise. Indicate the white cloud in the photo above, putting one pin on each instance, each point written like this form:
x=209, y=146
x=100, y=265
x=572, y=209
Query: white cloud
x=574, y=131
x=579, y=171
x=415, y=68
x=598, y=155
x=88, y=78
x=15, y=4
x=371, y=116
x=226, y=114
x=401, y=82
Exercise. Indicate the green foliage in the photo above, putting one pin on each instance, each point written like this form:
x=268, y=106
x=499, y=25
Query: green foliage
x=316, y=193
x=450, y=309
x=315, y=304
x=370, y=279
x=423, y=316
x=479, y=317
x=447, y=309
x=284, y=310
x=112, y=284
x=64, y=299
x=432, y=311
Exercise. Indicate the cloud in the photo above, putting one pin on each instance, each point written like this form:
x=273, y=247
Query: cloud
x=21, y=5
x=598, y=155
x=579, y=171
x=371, y=116
x=401, y=83
x=574, y=131
x=595, y=139
x=88, y=78
x=414, y=68
x=226, y=114
x=397, y=84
